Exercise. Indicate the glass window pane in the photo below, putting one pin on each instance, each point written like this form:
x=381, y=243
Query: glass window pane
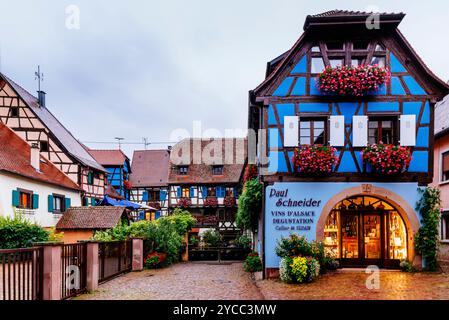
x=317, y=65
x=304, y=140
x=335, y=62
x=371, y=236
x=398, y=237
x=372, y=124
x=304, y=124
x=350, y=242
x=387, y=124
x=316, y=49
x=379, y=48
x=318, y=124
x=304, y=132
x=379, y=61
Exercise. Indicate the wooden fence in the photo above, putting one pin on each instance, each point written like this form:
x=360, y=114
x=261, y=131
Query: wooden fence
x=114, y=258
x=21, y=274
x=73, y=269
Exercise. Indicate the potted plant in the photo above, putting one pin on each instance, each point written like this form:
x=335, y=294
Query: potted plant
x=229, y=201
x=211, y=202
x=386, y=158
x=184, y=202
x=315, y=159
x=353, y=81
x=253, y=264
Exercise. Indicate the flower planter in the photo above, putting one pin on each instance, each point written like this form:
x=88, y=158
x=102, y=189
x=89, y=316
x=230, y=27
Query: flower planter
x=315, y=160
x=184, y=202
x=211, y=202
x=386, y=159
x=353, y=81
x=229, y=202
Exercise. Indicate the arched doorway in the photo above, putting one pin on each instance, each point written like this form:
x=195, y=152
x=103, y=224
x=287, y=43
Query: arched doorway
x=366, y=230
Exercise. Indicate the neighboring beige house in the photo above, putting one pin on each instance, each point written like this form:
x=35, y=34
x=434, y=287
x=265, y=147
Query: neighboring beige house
x=31, y=185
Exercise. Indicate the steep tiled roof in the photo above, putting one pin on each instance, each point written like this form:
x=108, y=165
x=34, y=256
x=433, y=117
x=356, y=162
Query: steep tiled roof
x=90, y=218
x=109, y=157
x=150, y=168
x=15, y=157
x=233, y=158
x=336, y=12
x=72, y=145
x=112, y=192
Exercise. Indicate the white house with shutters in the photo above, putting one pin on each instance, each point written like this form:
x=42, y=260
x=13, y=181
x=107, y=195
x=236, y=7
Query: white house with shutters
x=31, y=186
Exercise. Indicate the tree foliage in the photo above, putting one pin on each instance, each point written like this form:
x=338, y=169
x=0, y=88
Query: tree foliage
x=426, y=239
x=250, y=205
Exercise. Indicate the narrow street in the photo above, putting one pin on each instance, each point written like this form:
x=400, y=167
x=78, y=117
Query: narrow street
x=206, y=281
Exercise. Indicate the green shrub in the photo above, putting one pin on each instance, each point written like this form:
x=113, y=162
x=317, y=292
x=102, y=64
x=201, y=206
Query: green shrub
x=426, y=239
x=406, y=266
x=244, y=241
x=17, y=232
x=211, y=238
x=193, y=241
x=250, y=205
x=285, y=269
x=299, y=269
x=252, y=263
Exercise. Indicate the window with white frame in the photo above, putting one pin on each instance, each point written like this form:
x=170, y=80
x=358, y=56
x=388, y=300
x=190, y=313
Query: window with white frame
x=445, y=166
x=445, y=226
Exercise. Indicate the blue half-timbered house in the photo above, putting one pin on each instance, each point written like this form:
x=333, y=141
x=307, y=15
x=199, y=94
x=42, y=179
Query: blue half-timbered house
x=363, y=216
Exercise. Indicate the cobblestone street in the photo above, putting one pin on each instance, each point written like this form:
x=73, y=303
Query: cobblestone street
x=229, y=282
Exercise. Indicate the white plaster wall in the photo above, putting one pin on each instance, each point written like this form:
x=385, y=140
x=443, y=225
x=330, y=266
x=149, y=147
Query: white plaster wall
x=41, y=216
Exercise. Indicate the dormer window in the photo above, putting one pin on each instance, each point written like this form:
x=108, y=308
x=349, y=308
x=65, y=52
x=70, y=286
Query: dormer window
x=217, y=170
x=183, y=170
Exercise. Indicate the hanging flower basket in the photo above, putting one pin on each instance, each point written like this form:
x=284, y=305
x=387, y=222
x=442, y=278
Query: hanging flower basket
x=353, y=81
x=127, y=184
x=211, y=202
x=387, y=158
x=250, y=172
x=315, y=159
x=229, y=201
x=184, y=202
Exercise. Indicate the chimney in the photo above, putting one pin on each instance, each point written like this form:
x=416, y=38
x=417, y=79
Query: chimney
x=41, y=98
x=35, y=160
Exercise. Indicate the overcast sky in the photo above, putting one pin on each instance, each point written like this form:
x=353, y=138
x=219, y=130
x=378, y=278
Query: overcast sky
x=143, y=68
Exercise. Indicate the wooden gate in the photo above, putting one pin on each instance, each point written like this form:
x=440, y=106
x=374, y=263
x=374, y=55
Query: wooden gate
x=73, y=269
x=114, y=258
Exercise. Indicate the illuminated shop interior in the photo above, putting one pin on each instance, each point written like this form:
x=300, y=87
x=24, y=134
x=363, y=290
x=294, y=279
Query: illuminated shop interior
x=365, y=230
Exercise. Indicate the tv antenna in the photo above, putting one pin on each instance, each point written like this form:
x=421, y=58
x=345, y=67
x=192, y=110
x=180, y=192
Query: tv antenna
x=119, y=140
x=39, y=77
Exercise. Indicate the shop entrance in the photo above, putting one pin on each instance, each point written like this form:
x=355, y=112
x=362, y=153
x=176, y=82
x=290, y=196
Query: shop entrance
x=365, y=230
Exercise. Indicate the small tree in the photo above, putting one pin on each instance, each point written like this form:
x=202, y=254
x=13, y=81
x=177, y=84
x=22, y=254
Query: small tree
x=426, y=239
x=17, y=232
x=250, y=205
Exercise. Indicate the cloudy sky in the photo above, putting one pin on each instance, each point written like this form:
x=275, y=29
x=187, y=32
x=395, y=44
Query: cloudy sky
x=140, y=68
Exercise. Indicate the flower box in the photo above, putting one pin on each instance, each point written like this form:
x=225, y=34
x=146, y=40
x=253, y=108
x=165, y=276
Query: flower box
x=386, y=158
x=315, y=159
x=211, y=202
x=127, y=184
x=353, y=81
x=184, y=202
x=229, y=202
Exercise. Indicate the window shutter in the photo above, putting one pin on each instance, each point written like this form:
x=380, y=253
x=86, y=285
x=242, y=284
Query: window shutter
x=67, y=203
x=408, y=130
x=359, y=131
x=236, y=191
x=163, y=195
x=35, y=201
x=92, y=202
x=145, y=196
x=157, y=215
x=204, y=192
x=178, y=191
x=337, y=131
x=192, y=192
x=86, y=201
x=50, y=203
x=15, y=198
x=291, y=133
x=220, y=192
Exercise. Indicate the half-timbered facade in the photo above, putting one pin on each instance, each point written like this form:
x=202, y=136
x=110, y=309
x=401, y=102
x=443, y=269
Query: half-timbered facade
x=118, y=169
x=32, y=121
x=205, y=178
x=293, y=111
x=149, y=179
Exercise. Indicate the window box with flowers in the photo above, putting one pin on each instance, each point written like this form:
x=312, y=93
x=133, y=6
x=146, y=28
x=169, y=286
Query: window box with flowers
x=315, y=159
x=353, y=81
x=211, y=202
x=386, y=158
x=127, y=184
x=184, y=202
x=229, y=201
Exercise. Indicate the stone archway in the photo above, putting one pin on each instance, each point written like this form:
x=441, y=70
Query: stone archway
x=403, y=207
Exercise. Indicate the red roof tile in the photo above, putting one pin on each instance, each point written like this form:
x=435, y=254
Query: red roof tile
x=91, y=218
x=15, y=157
x=112, y=192
x=109, y=157
x=150, y=168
